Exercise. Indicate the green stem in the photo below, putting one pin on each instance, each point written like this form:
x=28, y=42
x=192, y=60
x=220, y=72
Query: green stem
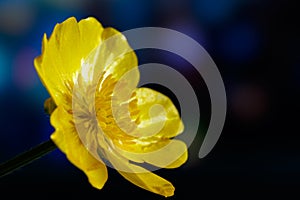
x=26, y=157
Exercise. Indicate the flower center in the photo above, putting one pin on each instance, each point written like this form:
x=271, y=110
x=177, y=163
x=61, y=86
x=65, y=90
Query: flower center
x=98, y=120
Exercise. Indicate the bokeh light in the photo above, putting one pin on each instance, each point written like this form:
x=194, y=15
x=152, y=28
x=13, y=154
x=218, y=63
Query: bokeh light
x=16, y=17
x=215, y=12
x=134, y=13
x=240, y=42
x=24, y=74
x=4, y=70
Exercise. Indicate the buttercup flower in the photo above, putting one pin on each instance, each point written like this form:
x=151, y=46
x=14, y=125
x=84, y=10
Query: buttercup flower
x=100, y=116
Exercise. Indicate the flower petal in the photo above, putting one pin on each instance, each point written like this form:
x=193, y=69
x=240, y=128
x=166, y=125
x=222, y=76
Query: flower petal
x=159, y=122
x=61, y=55
x=156, y=118
x=120, y=58
x=157, y=112
x=141, y=177
x=66, y=138
x=172, y=155
x=90, y=34
x=113, y=58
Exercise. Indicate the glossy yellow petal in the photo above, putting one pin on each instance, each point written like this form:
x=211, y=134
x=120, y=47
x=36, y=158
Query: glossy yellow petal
x=117, y=53
x=157, y=120
x=141, y=177
x=90, y=35
x=38, y=61
x=62, y=122
x=66, y=138
x=112, y=61
x=61, y=56
x=157, y=112
x=149, y=181
x=172, y=155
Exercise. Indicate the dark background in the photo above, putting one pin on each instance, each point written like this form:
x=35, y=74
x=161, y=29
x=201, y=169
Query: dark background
x=255, y=46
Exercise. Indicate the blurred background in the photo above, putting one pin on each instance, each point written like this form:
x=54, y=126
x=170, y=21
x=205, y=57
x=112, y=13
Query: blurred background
x=253, y=43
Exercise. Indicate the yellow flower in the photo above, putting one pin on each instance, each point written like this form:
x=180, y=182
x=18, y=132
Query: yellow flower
x=100, y=117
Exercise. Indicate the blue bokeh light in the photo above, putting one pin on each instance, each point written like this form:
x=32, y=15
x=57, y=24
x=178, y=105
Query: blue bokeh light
x=240, y=43
x=215, y=11
x=4, y=68
x=133, y=13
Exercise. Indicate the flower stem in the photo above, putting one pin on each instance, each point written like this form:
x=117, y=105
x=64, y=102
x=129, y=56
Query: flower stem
x=26, y=157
